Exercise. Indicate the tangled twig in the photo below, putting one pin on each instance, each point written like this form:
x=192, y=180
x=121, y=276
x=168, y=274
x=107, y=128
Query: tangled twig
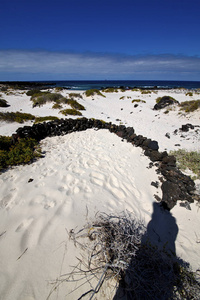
x=114, y=252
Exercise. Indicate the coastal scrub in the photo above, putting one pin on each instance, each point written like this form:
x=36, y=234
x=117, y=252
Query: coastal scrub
x=189, y=106
x=16, y=117
x=188, y=160
x=93, y=92
x=22, y=152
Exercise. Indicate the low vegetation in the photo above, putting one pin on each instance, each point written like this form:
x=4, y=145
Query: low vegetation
x=42, y=98
x=75, y=95
x=119, y=248
x=71, y=111
x=16, y=117
x=188, y=160
x=169, y=97
x=43, y=119
x=110, y=90
x=58, y=89
x=3, y=103
x=23, y=117
x=24, y=151
x=189, y=94
x=32, y=92
x=74, y=104
x=57, y=106
x=93, y=92
x=144, y=92
x=138, y=101
x=189, y=106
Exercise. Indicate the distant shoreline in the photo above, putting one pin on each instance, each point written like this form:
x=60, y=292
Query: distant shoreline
x=101, y=84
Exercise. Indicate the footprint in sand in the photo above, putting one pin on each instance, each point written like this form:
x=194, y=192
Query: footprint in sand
x=6, y=201
x=24, y=224
x=97, y=178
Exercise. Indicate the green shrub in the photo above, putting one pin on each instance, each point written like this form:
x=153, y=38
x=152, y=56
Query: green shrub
x=5, y=142
x=110, y=90
x=24, y=151
x=190, y=106
x=33, y=92
x=3, y=103
x=58, y=89
x=57, y=106
x=122, y=98
x=43, y=119
x=16, y=117
x=93, y=92
x=4, y=88
x=74, y=104
x=188, y=159
x=171, y=98
x=189, y=94
x=42, y=98
x=145, y=92
x=75, y=95
x=71, y=111
x=138, y=101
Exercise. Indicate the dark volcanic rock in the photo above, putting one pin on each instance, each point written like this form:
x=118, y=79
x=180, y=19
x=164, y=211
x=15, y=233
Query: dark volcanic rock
x=164, y=101
x=186, y=127
x=153, y=145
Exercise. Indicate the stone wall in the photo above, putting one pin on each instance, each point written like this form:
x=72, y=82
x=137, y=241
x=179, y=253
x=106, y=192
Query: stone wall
x=174, y=184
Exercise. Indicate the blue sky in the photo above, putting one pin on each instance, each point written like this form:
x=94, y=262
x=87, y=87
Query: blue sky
x=104, y=39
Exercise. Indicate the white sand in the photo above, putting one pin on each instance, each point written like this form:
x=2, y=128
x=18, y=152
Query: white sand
x=83, y=173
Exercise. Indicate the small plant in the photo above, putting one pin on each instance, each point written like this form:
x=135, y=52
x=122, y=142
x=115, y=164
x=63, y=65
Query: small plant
x=93, y=92
x=58, y=89
x=74, y=104
x=110, y=90
x=169, y=97
x=42, y=98
x=43, y=119
x=24, y=151
x=71, y=111
x=4, y=88
x=189, y=106
x=75, y=95
x=3, y=103
x=188, y=159
x=57, y=106
x=16, y=117
x=138, y=101
x=145, y=92
x=32, y=92
x=189, y=94
x=122, y=98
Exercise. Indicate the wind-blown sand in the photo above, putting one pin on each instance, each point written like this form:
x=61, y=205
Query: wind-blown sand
x=81, y=174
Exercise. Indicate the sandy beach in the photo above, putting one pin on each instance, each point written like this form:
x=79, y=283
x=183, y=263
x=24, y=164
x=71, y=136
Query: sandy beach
x=80, y=175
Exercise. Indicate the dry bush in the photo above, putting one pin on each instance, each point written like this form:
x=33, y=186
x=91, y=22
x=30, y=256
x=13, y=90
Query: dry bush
x=114, y=252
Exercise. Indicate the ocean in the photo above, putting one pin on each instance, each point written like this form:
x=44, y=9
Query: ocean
x=99, y=84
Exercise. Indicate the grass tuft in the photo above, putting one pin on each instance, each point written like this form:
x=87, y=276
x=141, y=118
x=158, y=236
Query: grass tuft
x=71, y=111
x=188, y=160
x=93, y=92
x=43, y=119
x=189, y=106
x=16, y=117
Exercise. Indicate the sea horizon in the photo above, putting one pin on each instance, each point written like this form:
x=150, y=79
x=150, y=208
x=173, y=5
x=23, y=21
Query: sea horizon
x=100, y=84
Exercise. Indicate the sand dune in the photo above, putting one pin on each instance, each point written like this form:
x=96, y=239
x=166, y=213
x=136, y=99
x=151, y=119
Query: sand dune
x=81, y=174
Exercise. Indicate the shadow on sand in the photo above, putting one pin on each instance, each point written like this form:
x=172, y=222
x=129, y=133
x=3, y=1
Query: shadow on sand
x=154, y=271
